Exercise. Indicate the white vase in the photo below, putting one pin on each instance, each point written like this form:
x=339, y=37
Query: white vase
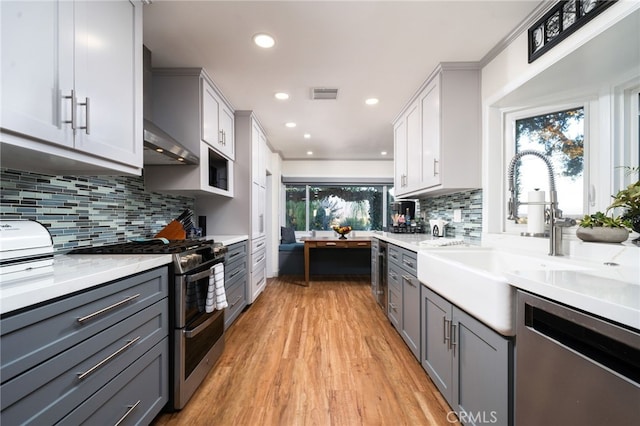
x=602, y=234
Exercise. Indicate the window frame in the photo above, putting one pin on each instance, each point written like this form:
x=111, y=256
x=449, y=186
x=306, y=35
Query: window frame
x=510, y=116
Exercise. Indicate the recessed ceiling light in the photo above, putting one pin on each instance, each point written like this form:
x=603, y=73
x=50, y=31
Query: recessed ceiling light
x=309, y=152
x=159, y=149
x=383, y=153
x=180, y=159
x=264, y=40
x=282, y=96
x=371, y=101
x=291, y=125
x=307, y=136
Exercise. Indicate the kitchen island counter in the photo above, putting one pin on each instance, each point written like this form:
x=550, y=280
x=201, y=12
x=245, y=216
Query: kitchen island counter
x=70, y=274
x=227, y=240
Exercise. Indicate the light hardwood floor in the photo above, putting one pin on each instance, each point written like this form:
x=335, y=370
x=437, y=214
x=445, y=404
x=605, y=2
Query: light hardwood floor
x=319, y=355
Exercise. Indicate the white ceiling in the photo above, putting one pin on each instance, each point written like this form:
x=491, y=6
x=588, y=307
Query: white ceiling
x=383, y=49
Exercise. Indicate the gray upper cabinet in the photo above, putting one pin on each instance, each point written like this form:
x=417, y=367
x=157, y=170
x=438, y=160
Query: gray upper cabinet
x=470, y=364
x=70, y=73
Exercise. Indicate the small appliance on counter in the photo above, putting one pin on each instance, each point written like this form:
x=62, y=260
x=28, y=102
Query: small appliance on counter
x=25, y=245
x=437, y=227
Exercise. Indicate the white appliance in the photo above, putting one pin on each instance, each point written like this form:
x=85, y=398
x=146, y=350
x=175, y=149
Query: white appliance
x=25, y=245
x=437, y=227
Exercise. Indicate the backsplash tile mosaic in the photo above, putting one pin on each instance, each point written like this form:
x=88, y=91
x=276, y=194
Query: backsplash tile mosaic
x=87, y=210
x=470, y=202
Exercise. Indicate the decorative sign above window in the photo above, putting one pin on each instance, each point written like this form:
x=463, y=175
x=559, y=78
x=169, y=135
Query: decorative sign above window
x=563, y=19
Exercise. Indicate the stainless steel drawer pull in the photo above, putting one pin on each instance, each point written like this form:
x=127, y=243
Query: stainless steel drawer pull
x=235, y=301
x=87, y=117
x=73, y=109
x=234, y=274
x=108, y=308
x=453, y=341
x=406, y=262
x=232, y=255
x=394, y=256
x=260, y=244
x=107, y=359
x=408, y=279
x=446, y=330
x=129, y=411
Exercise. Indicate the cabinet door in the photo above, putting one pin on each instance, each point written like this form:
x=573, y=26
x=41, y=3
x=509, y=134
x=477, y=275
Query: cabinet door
x=394, y=309
x=400, y=156
x=430, y=102
x=108, y=60
x=482, y=363
x=414, y=148
x=411, y=313
x=210, y=113
x=37, y=69
x=227, y=128
x=436, y=355
x=258, y=201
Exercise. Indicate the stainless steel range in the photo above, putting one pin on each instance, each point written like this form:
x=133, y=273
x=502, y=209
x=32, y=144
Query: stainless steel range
x=197, y=338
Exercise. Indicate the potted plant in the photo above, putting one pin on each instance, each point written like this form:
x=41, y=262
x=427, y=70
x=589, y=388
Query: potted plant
x=628, y=199
x=599, y=227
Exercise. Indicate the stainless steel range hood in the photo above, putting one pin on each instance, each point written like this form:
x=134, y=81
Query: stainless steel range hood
x=160, y=148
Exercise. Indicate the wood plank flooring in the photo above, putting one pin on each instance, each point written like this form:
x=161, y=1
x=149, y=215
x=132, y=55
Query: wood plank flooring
x=319, y=355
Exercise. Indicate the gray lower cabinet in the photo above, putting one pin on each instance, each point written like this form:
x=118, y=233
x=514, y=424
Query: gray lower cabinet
x=235, y=281
x=470, y=363
x=98, y=356
x=402, y=279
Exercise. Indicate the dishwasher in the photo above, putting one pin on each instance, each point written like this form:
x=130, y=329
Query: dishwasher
x=573, y=368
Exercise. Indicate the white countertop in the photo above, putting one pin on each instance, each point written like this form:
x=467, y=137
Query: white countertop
x=605, y=294
x=71, y=273
x=227, y=240
x=411, y=241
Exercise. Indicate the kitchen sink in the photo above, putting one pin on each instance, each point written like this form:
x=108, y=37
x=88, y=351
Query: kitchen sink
x=475, y=280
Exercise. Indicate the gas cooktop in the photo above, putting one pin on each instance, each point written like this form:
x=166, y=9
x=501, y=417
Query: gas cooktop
x=155, y=246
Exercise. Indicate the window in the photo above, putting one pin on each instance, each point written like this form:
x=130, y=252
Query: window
x=320, y=207
x=560, y=135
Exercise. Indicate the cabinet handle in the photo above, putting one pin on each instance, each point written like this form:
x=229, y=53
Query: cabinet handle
x=260, y=244
x=453, y=341
x=232, y=255
x=108, y=308
x=233, y=274
x=87, y=119
x=394, y=256
x=235, y=301
x=409, y=264
x=393, y=306
x=73, y=110
x=259, y=260
x=129, y=411
x=435, y=162
x=408, y=279
x=394, y=276
x=331, y=244
x=107, y=359
x=221, y=138
x=446, y=330
x=361, y=244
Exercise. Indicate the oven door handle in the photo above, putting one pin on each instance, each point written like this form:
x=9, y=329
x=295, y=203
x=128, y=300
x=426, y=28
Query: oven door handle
x=199, y=275
x=193, y=333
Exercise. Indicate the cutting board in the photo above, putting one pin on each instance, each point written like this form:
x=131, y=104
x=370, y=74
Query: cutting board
x=173, y=231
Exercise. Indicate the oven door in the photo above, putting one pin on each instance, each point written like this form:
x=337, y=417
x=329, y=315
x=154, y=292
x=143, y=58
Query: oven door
x=191, y=294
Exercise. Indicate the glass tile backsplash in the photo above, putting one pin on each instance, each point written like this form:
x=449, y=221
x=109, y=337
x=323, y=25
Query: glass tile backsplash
x=87, y=210
x=442, y=207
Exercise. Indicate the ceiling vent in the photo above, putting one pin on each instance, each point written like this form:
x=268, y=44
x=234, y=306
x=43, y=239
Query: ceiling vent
x=323, y=93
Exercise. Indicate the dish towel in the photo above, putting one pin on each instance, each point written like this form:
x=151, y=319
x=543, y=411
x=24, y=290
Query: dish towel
x=216, y=296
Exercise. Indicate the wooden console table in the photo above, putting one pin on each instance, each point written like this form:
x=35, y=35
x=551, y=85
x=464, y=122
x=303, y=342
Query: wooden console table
x=331, y=243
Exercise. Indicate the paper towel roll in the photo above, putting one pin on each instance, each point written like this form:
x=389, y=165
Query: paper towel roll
x=535, y=220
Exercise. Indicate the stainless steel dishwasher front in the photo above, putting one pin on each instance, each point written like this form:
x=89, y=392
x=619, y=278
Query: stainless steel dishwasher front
x=573, y=368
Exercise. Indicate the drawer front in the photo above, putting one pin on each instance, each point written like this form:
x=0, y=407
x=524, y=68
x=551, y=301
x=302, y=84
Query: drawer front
x=258, y=259
x=234, y=272
x=237, y=300
x=136, y=396
x=394, y=311
x=235, y=251
x=332, y=244
x=29, y=338
x=395, y=278
x=258, y=244
x=404, y=258
x=48, y=392
x=258, y=276
x=359, y=244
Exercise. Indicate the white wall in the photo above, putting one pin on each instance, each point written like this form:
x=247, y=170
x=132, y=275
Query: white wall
x=341, y=169
x=570, y=69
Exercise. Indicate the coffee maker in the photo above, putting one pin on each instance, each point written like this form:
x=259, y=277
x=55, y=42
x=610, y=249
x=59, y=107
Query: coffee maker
x=406, y=208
